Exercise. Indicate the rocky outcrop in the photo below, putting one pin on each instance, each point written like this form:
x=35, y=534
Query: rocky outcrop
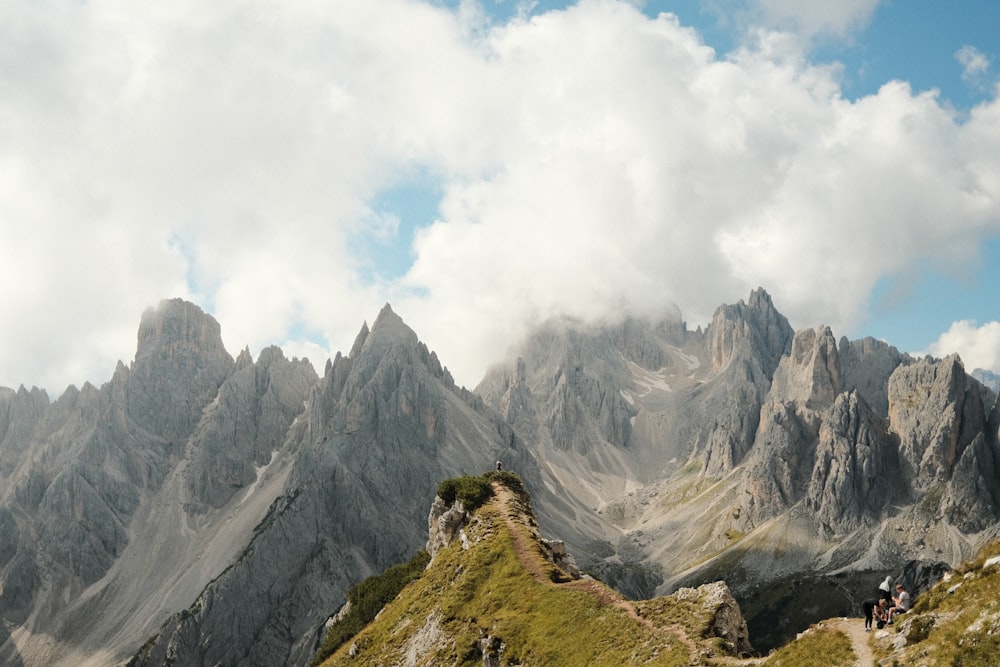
x=971, y=499
x=820, y=441
x=563, y=389
x=779, y=468
x=444, y=524
x=180, y=363
x=746, y=343
x=854, y=476
x=716, y=602
x=754, y=329
x=866, y=366
x=936, y=410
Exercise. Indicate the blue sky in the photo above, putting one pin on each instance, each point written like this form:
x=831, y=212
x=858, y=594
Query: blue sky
x=483, y=165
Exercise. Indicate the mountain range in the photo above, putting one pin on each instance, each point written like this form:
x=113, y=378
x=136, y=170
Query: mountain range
x=200, y=509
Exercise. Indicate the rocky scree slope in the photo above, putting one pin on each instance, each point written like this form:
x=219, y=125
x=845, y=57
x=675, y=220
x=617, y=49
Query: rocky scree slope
x=495, y=594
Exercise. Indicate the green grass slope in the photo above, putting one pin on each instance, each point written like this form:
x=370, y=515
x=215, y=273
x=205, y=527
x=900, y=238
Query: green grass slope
x=956, y=623
x=499, y=598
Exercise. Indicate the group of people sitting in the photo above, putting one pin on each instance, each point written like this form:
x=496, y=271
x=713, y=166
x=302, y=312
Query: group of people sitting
x=886, y=606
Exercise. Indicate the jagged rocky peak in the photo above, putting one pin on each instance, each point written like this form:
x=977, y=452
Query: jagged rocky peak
x=176, y=325
x=180, y=362
x=853, y=476
x=811, y=371
x=390, y=325
x=391, y=337
x=936, y=410
x=248, y=420
x=754, y=327
x=866, y=365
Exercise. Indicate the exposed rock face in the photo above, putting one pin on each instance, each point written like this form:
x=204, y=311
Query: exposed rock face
x=90, y=462
x=819, y=440
x=383, y=427
x=246, y=422
x=253, y=494
x=865, y=366
x=727, y=622
x=752, y=330
x=180, y=363
x=855, y=470
x=745, y=342
x=444, y=523
x=937, y=411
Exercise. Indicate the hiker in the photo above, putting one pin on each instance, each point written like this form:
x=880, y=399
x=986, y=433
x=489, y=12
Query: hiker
x=499, y=466
x=885, y=590
x=874, y=608
x=901, y=602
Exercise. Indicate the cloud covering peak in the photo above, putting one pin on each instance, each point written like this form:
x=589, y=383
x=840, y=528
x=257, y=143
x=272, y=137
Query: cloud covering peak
x=590, y=161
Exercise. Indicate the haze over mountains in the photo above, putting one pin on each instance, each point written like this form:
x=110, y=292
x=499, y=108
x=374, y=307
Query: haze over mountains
x=212, y=510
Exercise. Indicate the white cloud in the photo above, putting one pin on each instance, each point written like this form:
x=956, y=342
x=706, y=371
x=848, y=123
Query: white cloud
x=978, y=346
x=592, y=160
x=974, y=63
x=818, y=17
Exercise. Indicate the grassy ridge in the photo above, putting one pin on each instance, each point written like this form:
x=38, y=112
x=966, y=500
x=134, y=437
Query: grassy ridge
x=469, y=597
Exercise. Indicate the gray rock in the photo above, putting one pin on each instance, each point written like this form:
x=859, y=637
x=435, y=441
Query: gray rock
x=246, y=423
x=392, y=425
x=854, y=476
x=936, y=412
x=727, y=623
x=866, y=366
x=443, y=524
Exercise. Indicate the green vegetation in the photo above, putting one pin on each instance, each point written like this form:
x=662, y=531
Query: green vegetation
x=817, y=647
x=955, y=623
x=367, y=599
x=472, y=491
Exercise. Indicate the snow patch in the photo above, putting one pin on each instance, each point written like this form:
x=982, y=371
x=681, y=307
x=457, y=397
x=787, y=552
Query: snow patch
x=649, y=381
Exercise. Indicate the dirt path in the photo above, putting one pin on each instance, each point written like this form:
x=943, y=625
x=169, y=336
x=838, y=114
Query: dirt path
x=854, y=628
